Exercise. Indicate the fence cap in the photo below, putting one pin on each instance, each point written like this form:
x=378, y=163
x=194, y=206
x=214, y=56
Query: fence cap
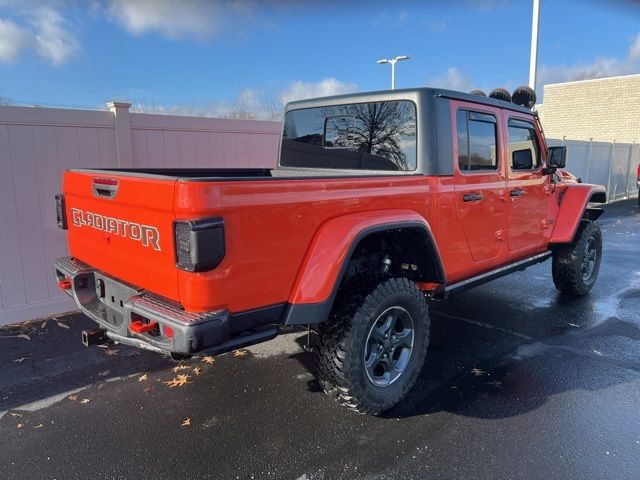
x=114, y=104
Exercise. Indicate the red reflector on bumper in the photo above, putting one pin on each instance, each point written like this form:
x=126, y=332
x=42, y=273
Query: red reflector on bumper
x=64, y=283
x=168, y=332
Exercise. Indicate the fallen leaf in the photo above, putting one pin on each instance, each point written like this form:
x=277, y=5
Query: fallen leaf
x=178, y=381
x=39, y=426
x=73, y=397
x=109, y=352
x=19, y=425
x=14, y=414
x=24, y=335
x=21, y=359
x=240, y=353
x=197, y=371
x=85, y=400
x=62, y=325
x=208, y=359
x=149, y=389
x=478, y=372
x=180, y=367
x=186, y=422
x=142, y=378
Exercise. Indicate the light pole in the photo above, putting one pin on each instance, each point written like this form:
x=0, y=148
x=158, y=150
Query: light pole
x=393, y=62
x=533, y=59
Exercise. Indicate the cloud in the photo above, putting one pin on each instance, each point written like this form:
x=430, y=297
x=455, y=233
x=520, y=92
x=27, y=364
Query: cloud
x=300, y=90
x=13, y=40
x=452, y=79
x=603, y=66
x=634, y=51
x=54, y=40
x=250, y=103
x=195, y=19
x=41, y=30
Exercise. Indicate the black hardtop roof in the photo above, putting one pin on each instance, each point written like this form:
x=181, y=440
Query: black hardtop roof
x=405, y=93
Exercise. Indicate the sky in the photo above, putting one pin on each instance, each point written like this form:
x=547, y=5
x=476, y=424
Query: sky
x=208, y=58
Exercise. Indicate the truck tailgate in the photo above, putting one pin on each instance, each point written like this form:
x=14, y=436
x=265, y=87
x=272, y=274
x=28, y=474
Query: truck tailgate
x=123, y=226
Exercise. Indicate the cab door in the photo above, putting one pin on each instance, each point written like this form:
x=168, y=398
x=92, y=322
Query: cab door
x=527, y=187
x=479, y=179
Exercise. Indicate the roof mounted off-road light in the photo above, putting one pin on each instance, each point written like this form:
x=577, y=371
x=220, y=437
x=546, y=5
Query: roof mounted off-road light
x=524, y=96
x=500, y=94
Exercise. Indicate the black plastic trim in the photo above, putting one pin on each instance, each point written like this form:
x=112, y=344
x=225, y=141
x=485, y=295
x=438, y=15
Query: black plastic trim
x=61, y=211
x=491, y=275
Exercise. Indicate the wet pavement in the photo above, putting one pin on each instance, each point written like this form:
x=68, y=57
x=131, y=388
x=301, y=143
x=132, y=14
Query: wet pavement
x=520, y=383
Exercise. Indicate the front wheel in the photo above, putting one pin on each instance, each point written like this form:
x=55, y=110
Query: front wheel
x=576, y=266
x=370, y=354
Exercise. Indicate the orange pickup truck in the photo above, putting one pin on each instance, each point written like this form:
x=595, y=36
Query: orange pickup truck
x=379, y=201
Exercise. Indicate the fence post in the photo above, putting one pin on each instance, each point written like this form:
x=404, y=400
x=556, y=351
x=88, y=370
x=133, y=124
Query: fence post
x=123, y=133
x=586, y=171
x=633, y=146
x=611, y=160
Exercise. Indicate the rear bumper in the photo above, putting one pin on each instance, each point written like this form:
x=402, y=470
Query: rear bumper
x=120, y=308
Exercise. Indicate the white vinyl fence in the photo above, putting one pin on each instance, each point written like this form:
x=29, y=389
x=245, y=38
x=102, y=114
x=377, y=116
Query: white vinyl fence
x=611, y=164
x=38, y=144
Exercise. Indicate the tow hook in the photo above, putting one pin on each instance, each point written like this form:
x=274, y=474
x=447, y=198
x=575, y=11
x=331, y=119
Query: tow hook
x=95, y=336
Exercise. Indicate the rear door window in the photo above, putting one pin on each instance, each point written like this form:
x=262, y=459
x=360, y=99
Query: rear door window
x=363, y=136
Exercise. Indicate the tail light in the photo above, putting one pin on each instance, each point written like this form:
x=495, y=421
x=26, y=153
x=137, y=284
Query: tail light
x=61, y=214
x=638, y=173
x=199, y=244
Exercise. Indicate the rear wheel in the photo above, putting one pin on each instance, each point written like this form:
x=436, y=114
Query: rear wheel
x=373, y=349
x=576, y=266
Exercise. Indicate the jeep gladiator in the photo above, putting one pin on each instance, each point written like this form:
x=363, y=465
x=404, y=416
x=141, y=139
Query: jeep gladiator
x=379, y=201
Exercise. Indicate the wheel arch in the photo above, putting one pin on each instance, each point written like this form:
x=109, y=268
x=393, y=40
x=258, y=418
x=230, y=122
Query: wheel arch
x=574, y=203
x=333, y=247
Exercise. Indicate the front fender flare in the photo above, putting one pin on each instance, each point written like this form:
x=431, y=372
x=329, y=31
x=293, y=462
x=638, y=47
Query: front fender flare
x=573, y=203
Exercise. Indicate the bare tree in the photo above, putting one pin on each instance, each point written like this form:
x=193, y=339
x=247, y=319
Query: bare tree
x=587, y=75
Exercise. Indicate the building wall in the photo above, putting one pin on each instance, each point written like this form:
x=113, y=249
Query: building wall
x=604, y=109
x=38, y=144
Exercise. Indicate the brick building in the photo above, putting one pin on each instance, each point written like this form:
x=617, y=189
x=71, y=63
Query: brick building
x=604, y=109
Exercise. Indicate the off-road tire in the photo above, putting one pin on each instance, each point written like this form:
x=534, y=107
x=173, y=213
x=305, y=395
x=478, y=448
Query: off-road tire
x=569, y=260
x=340, y=344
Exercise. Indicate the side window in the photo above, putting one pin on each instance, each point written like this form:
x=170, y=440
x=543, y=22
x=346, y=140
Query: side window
x=477, y=141
x=523, y=145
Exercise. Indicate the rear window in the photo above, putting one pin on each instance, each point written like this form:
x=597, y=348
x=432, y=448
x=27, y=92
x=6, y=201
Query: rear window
x=363, y=136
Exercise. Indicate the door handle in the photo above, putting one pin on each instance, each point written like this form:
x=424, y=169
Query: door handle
x=517, y=192
x=472, y=197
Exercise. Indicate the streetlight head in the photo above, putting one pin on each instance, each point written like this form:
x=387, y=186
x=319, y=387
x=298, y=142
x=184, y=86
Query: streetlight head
x=383, y=60
x=401, y=57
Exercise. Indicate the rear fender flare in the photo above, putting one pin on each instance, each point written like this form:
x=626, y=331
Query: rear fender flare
x=573, y=208
x=329, y=253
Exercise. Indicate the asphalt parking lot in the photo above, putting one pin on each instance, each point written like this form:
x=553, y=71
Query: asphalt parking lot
x=520, y=383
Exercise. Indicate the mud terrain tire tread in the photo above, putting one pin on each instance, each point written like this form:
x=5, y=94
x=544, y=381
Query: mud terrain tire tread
x=567, y=261
x=338, y=349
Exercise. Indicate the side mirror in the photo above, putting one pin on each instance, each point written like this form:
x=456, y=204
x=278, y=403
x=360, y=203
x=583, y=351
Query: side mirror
x=557, y=157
